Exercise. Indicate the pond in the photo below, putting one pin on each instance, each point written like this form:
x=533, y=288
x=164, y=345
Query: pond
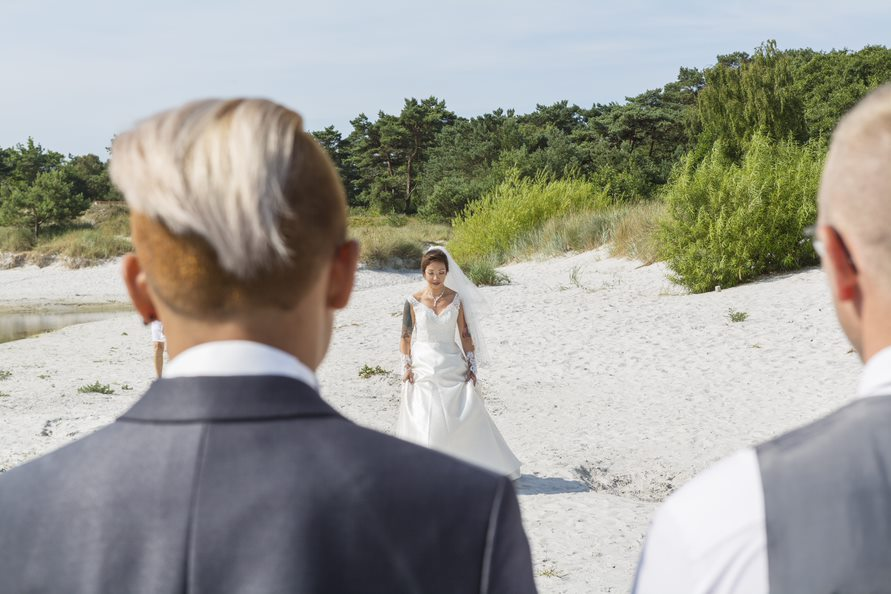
x=15, y=325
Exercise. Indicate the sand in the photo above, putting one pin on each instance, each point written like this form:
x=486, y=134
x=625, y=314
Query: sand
x=610, y=383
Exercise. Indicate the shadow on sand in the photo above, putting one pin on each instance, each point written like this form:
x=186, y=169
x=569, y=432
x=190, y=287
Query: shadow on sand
x=530, y=484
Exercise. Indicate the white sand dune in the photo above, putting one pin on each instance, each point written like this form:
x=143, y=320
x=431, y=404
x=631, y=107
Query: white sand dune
x=610, y=383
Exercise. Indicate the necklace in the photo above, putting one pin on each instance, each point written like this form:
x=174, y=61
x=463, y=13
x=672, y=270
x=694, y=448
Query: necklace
x=436, y=298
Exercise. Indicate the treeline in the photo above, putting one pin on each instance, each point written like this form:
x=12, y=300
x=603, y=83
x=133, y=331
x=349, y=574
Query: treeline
x=429, y=161
x=40, y=188
x=725, y=161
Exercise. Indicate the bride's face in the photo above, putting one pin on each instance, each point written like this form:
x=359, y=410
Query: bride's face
x=435, y=274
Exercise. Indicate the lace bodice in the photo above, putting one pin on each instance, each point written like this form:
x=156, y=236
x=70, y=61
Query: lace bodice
x=430, y=327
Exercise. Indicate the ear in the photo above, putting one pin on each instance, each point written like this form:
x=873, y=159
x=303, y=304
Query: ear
x=342, y=275
x=137, y=286
x=843, y=272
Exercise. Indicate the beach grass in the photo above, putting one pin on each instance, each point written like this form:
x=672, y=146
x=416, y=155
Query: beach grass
x=101, y=233
x=517, y=208
x=394, y=241
x=631, y=231
x=83, y=246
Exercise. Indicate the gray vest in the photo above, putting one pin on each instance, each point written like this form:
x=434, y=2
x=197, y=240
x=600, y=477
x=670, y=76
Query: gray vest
x=827, y=498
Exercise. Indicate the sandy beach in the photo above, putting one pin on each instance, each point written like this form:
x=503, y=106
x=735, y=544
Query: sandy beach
x=611, y=384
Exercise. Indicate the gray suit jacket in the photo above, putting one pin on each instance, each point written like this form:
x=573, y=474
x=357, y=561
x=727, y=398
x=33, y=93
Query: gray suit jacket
x=254, y=484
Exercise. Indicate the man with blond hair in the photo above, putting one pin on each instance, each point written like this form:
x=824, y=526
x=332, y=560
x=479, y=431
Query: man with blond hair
x=231, y=474
x=809, y=511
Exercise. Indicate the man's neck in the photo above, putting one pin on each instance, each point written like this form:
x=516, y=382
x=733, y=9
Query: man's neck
x=300, y=338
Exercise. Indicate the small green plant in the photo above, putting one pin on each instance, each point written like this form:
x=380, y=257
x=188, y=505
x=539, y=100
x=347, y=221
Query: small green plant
x=368, y=372
x=574, y=277
x=552, y=572
x=126, y=387
x=737, y=316
x=5, y=374
x=96, y=388
x=5, y=394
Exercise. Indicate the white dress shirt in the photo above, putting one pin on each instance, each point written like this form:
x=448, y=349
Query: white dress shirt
x=238, y=357
x=710, y=536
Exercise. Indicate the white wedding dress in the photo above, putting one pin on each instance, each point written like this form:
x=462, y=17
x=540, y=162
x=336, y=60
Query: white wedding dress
x=442, y=410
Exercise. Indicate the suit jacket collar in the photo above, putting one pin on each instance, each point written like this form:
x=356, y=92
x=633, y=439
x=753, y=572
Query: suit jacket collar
x=228, y=399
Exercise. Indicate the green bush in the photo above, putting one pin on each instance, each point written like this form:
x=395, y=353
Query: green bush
x=490, y=226
x=731, y=222
x=16, y=239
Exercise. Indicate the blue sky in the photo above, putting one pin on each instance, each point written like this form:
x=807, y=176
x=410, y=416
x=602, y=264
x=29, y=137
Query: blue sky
x=75, y=73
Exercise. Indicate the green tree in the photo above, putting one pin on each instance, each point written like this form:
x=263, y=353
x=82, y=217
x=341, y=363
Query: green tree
x=89, y=177
x=26, y=161
x=49, y=201
x=389, y=154
x=744, y=96
x=831, y=83
x=339, y=150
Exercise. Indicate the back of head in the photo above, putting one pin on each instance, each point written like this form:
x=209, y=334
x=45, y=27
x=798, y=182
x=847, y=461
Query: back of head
x=855, y=194
x=233, y=205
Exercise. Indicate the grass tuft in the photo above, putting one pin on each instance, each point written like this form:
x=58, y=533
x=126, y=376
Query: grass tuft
x=737, y=316
x=482, y=273
x=368, y=372
x=96, y=388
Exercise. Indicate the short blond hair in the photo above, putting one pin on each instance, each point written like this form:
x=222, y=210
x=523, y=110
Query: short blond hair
x=233, y=204
x=855, y=194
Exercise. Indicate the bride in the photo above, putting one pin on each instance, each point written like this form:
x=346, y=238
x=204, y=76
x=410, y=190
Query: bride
x=440, y=406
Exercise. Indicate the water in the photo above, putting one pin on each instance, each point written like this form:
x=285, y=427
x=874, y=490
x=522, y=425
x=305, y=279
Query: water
x=18, y=325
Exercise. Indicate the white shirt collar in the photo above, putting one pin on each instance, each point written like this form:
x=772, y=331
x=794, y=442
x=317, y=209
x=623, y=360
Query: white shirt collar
x=876, y=377
x=238, y=357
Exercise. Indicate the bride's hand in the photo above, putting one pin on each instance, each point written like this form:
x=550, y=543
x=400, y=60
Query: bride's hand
x=471, y=377
x=409, y=376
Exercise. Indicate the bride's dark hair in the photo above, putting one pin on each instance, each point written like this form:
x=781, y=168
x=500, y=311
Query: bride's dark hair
x=434, y=256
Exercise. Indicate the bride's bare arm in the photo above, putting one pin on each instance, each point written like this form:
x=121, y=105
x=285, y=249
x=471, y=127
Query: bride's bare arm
x=464, y=331
x=408, y=325
x=467, y=345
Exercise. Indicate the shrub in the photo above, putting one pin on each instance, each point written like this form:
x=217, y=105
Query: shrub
x=729, y=223
x=16, y=239
x=490, y=226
